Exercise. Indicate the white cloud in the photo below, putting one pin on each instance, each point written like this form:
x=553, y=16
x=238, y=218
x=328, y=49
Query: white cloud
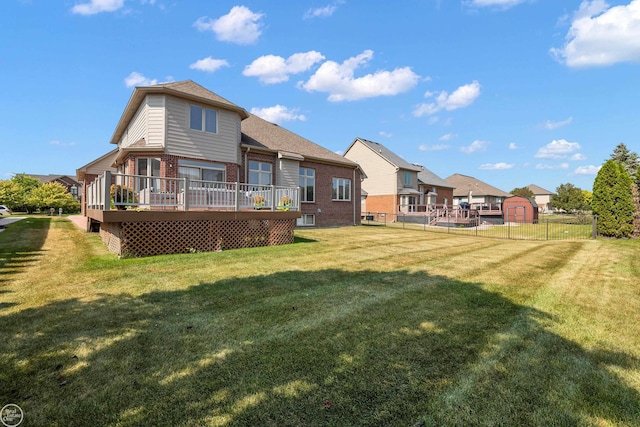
x=578, y=157
x=271, y=69
x=385, y=134
x=503, y=4
x=542, y=166
x=322, y=12
x=209, y=64
x=240, y=26
x=338, y=80
x=587, y=170
x=460, y=98
x=555, y=125
x=447, y=137
x=513, y=146
x=557, y=149
x=137, y=79
x=435, y=147
x=496, y=166
x=278, y=114
x=97, y=6
x=476, y=145
x=601, y=35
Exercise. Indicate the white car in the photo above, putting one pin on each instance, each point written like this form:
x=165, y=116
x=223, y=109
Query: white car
x=5, y=210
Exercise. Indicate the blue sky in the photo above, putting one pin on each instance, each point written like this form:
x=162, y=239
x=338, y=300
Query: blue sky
x=513, y=92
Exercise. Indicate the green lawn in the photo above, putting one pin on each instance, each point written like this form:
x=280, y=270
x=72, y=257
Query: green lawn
x=346, y=327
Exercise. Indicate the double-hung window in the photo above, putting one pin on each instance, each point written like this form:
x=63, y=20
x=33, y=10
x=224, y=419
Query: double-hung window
x=259, y=173
x=407, y=179
x=308, y=184
x=341, y=189
x=203, y=119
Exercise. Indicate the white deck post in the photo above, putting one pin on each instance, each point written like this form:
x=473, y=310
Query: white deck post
x=186, y=194
x=106, y=191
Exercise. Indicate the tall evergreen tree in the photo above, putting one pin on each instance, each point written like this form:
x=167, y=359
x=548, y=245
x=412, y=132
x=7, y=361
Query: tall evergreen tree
x=612, y=201
x=628, y=159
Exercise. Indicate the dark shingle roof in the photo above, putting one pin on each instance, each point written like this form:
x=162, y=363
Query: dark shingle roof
x=257, y=132
x=388, y=155
x=464, y=183
x=425, y=176
x=538, y=191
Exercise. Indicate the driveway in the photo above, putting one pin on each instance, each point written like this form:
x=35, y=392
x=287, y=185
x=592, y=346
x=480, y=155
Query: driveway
x=6, y=220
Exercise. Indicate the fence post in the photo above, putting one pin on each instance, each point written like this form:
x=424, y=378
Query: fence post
x=547, y=228
x=273, y=198
x=106, y=191
x=448, y=223
x=594, y=227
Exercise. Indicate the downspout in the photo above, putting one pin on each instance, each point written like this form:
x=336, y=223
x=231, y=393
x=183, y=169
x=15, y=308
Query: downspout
x=246, y=165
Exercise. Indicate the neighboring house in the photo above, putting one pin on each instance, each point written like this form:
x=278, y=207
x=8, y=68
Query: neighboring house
x=475, y=192
x=73, y=187
x=181, y=132
x=542, y=197
x=392, y=184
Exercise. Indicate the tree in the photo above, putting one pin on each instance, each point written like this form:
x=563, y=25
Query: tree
x=523, y=192
x=52, y=195
x=568, y=197
x=587, y=196
x=628, y=159
x=15, y=192
x=612, y=201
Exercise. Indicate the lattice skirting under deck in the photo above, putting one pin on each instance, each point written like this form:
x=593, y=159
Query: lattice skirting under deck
x=169, y=237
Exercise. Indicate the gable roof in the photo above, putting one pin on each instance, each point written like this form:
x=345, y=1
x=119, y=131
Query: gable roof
x=464, y=183
x=539, y=191
x=67, y=179
x=186, y=89
x=259, y=133
x=102, y=163
x=426, y=177
x=386, y=154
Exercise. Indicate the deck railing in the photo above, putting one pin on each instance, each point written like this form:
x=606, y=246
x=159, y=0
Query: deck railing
x=145, y=192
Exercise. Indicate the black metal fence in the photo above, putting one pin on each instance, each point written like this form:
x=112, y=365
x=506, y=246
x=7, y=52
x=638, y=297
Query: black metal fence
x=547, y=227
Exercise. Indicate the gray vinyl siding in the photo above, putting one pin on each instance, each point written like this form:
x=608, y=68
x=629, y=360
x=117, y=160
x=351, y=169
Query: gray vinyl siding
x=155, y=120
x=147, y=123
x=288, y=173
x=137, y=127
x=223, y=146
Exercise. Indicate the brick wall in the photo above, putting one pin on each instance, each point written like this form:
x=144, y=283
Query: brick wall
x=330, y=213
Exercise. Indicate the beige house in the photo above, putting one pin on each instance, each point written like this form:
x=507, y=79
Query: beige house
x=542, y=197
x=392, y=184
x=475, y=192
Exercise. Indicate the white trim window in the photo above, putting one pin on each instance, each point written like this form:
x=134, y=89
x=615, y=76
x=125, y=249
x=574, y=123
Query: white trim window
x=306, y=220
x=203, y=119
x=407, y=179
x=201, y=171
x=148, y=167
x=308, y=184
x=260, y=173
x=341, y=189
